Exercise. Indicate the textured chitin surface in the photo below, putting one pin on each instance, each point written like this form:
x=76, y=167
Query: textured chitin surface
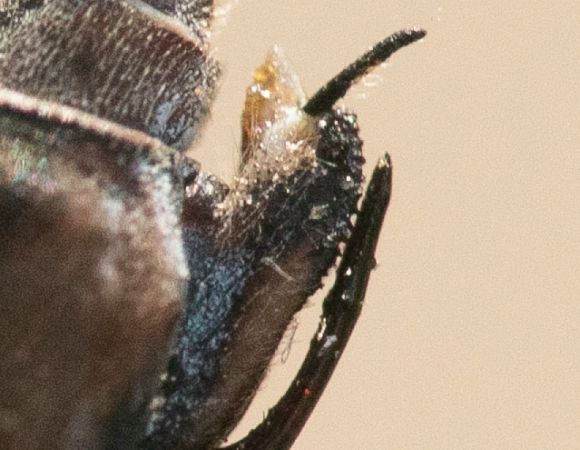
x=120, y=60
x=258, y=256
x=12, y=12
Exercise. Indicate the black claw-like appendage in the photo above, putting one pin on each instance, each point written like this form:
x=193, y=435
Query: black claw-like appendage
x=341, y=309
x=263, y=253
x=337, y=87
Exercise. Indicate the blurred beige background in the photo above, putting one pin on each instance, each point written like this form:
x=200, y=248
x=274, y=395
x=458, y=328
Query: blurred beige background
x=470, y=335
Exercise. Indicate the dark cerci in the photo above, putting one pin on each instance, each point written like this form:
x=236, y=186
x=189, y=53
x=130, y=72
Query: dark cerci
x=141, y=298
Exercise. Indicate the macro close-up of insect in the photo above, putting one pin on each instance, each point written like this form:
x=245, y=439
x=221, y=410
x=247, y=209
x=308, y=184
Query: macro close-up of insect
x=141, y=297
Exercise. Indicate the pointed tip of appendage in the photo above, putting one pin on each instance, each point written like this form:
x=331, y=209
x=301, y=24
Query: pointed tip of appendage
x=338, y=86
